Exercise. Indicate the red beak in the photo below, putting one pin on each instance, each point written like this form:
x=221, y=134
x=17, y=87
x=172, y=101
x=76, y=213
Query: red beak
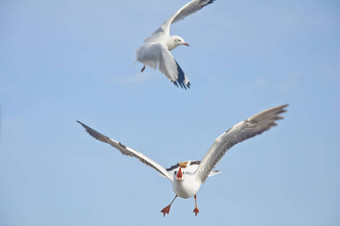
x=185, y=44
x=179, y=174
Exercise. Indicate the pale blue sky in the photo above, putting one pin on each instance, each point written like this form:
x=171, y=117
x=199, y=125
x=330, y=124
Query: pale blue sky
x=62, y=61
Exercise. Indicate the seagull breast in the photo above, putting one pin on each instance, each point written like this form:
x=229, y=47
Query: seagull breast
x=187, y=187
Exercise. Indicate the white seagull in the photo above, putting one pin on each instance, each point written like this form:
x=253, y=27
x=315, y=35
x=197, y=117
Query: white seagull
x=156, y=49
x=187, y=177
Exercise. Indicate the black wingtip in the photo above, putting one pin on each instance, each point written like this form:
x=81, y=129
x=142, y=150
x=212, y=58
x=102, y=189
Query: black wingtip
x=181, y=79
x=182, y=85
x=210, y=1
x=81, y=123
x=85, y=126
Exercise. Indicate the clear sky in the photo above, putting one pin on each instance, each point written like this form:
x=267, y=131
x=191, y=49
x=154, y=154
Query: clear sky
x=68, y=60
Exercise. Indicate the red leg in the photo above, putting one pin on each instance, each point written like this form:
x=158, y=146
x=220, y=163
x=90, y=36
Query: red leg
x=196, y=211
x=143, y=69
x=166, y=209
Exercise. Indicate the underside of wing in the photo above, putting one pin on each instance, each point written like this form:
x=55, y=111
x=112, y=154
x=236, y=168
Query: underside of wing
x=172, y=70
x=183, y=12
x=246, y=129
x=182, y=79
x=127, y=151
x=190, y=8
x=167, y=64
x=156, y=54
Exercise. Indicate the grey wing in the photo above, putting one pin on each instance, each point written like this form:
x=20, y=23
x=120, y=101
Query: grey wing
x=127, y=151
x=246, y=129
x=168, y=66
x=186, y=10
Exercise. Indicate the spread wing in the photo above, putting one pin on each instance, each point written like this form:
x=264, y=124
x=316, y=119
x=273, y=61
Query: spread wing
x=186, y=10
x=246, y=129
x=128, y=151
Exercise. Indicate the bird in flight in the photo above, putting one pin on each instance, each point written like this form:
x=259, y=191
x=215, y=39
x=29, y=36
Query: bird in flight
x=155, y=52
x=187, y=177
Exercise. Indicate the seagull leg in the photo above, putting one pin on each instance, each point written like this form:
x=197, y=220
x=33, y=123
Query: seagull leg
x=143, y=69
x=166, y=209
x=196, y=211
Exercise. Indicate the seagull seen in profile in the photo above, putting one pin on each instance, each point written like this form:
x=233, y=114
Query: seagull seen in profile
x=155, y=52
x=187, y=177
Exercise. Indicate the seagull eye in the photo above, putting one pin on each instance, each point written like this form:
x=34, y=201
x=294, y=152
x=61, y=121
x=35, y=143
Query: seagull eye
x=175, y=172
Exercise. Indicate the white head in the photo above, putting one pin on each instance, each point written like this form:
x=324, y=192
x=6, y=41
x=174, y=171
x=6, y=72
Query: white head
x=175, y=41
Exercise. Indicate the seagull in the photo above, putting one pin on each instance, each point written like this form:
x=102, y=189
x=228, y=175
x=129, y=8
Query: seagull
x=156, y=49
x=187, y=177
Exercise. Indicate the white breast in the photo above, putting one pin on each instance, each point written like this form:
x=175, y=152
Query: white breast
x=187, y=187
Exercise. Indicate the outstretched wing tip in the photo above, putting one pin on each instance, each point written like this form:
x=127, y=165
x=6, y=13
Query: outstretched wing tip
x=186, y=10
x=126, y=150
x=182, y=85
x=83, y=125
x=243, y=130
x=283, y=108
x=182, y=79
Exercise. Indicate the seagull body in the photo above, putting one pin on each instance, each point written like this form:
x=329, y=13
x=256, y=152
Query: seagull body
x=187, y=177
x=190, y=186
x=155, y=52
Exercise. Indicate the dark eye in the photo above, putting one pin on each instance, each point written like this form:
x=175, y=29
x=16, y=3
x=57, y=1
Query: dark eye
x=175, y=172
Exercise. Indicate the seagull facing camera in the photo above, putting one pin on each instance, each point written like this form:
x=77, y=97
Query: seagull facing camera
x=187, y=177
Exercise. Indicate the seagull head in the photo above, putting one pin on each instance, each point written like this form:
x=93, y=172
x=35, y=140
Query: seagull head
x=177, y=40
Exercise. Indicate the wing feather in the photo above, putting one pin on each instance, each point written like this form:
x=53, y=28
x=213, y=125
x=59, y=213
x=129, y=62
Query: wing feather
x=127, y=151
x=169, y=66
x=246, y=129
x=186, y=10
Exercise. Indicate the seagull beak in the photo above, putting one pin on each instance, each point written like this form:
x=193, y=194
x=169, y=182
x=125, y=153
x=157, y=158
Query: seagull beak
x=179, y=174
x=186, y=44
